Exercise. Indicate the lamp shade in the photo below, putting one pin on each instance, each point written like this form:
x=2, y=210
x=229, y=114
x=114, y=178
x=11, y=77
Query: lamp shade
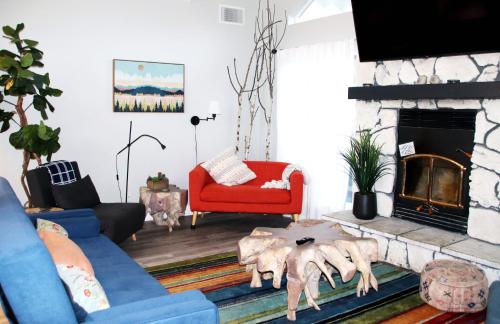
x=214, y=108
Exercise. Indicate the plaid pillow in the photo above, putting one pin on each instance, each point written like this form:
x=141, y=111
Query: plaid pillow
x=61, y=172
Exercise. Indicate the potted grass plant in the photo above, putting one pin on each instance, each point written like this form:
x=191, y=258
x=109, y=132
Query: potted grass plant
x=365, y=168
x=158, y=183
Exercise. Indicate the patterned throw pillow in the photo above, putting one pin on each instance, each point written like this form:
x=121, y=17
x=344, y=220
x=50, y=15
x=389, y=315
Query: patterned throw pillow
x=43, y=225
x=227, y=169
x=65, y=251
x=85, y=289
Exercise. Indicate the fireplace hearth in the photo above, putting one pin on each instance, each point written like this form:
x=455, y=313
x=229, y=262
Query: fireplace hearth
x=432, y=185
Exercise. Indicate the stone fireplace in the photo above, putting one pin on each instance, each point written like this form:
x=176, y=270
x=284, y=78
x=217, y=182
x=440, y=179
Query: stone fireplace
x=452, y=180
x=476, y=200
x=432, y=185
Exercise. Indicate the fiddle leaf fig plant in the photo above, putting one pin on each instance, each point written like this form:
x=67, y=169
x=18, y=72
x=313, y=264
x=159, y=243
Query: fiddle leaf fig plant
x=37, y=139
x=18, y=80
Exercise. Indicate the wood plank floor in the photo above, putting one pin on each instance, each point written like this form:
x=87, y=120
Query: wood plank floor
x=214, y=233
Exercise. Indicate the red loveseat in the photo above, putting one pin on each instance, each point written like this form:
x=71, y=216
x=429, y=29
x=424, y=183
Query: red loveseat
x=205, y=195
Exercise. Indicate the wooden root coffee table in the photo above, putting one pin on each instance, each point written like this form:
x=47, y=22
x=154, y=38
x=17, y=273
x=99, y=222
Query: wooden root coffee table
x=266, y=252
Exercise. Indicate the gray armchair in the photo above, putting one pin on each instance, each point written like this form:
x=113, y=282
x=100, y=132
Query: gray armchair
x=118, y=220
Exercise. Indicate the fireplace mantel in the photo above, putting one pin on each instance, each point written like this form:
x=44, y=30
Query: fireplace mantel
x=460, y=91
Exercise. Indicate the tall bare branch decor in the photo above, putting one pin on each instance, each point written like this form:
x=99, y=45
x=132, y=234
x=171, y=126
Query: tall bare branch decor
x=256, y=87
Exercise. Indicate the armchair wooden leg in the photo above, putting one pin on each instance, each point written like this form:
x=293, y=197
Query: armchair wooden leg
x=295, y=218
x=193, y=222
x=134, y=238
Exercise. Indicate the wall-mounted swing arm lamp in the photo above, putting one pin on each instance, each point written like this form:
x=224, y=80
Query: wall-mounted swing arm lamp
x=127, y=147
x=213, y=110
x=195, y=120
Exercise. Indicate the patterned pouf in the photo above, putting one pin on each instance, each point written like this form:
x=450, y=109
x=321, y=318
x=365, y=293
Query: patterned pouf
x=454, y=286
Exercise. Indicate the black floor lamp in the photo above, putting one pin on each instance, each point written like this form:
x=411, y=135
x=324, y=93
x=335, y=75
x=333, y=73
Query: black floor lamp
x=127, y=147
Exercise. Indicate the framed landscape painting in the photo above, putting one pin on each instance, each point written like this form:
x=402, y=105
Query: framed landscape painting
x=148, y=87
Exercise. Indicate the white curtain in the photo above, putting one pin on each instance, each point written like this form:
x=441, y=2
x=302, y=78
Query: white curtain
x=315, y=119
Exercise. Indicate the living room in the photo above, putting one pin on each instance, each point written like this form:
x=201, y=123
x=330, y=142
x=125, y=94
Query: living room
x=186, y=184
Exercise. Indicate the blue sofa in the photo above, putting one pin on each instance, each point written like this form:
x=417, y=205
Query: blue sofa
x=493, y=312
x=31, y=291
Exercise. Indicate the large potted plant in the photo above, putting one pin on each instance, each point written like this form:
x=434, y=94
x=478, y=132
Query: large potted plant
x=22, y=89
x=365, y=168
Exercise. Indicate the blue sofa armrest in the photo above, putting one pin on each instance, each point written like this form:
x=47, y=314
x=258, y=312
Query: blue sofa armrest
x=80, y=223
x=493, y=311
x=185, y=307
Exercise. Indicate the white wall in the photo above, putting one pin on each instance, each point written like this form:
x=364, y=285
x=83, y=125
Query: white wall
x=81, y=38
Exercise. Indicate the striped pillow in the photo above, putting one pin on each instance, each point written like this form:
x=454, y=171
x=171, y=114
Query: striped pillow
x=227, y=169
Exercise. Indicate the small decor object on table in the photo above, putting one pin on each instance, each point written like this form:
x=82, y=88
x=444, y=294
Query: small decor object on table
x=435, y=79
x=308, y=249
x=365, y=168
x=160, y=182
x=454, y=286
x=165, y=206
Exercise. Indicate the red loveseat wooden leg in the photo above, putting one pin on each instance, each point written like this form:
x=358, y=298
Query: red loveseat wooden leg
x=193, y=222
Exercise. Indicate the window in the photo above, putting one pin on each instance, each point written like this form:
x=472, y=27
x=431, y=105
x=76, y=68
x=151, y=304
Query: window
x=315, y=9
x=314, y=120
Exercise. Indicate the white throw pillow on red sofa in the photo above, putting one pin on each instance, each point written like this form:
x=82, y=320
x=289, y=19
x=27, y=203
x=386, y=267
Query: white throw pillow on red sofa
x=227, y=169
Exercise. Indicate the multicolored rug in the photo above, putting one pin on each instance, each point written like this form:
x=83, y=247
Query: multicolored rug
x=226, y=283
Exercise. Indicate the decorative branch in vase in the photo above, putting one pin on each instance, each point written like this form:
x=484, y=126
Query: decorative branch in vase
x=259, y=76
x=20, y=82
x=271, y=41
x=365, y=168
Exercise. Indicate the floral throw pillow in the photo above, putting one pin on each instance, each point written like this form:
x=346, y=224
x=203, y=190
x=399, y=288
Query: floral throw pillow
x=84, y=288
x=43, y=225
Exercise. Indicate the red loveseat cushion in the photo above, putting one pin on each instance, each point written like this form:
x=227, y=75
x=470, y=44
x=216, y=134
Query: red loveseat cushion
x=244, y=193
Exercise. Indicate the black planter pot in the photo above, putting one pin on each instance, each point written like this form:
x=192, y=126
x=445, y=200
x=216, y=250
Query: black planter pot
x=365, y=205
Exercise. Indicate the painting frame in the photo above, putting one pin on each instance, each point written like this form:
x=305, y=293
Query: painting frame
x=171, y=99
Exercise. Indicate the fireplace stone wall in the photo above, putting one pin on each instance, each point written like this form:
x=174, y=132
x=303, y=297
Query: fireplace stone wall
x=382, y=117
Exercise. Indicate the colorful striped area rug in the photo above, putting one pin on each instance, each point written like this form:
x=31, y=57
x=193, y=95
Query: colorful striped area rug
x=226, y=283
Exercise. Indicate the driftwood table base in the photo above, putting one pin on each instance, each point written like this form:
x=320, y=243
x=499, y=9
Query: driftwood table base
x=268, y=251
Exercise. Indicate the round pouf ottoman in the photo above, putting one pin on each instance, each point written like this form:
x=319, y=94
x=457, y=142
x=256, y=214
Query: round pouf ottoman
x=454, y=286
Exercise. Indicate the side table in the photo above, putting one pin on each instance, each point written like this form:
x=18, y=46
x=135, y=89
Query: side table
x=165, y=206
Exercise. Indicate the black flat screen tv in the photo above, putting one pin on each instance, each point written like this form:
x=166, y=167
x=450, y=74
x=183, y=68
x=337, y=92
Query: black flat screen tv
x=398, y=29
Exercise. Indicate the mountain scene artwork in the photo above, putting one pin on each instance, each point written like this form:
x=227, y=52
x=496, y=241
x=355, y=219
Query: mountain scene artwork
x=148, y=87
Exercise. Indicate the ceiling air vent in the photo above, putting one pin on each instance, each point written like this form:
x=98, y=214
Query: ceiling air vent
x=231, y=15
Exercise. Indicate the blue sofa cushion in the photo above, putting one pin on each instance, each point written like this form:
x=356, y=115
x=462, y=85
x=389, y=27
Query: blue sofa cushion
x=123, y=280
x=79, y=223
x=186, y=307
x=493, y=311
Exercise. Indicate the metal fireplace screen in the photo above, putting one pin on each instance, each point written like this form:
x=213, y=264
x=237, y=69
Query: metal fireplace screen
x=432, y=179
